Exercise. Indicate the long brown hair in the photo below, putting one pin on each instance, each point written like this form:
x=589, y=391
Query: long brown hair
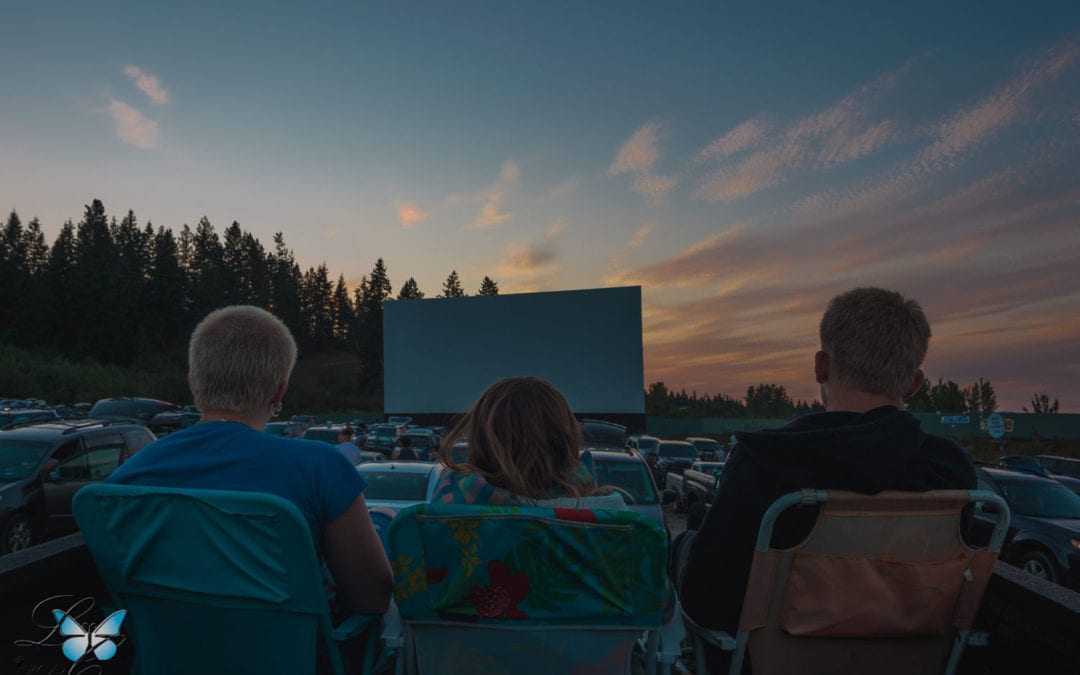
x=523, y=438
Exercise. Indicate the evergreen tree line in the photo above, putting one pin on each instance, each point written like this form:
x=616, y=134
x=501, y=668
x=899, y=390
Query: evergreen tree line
x=124, y=294
x=761, y=401
x=773, y=401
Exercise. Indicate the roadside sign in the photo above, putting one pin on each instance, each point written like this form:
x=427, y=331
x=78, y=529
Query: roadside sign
x=955, y=419
x=1008, y=425
x=995, y=426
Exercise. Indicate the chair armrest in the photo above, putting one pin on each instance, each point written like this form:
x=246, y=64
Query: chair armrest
x=718, y=638
x=354, y=625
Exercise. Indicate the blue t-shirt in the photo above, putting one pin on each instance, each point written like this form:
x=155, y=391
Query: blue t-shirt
x=231, y=456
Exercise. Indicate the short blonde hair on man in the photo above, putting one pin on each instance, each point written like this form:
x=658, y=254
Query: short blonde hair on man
x=237, y=358
x=876, y=340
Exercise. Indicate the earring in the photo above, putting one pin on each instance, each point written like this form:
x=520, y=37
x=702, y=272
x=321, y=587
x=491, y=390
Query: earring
x=275, y=409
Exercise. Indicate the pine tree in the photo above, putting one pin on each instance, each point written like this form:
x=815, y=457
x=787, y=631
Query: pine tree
x=452, y=287
x=410, y=291
x=343, y=313
x=207, y=279
x=98, y=294
x=488, y=287
x=59, y=281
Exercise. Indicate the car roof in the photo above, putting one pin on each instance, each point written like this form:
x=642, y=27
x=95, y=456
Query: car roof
x=691, y=439
x=398, y=467
x=675, y=440
x=998, y=473
x=45, y=431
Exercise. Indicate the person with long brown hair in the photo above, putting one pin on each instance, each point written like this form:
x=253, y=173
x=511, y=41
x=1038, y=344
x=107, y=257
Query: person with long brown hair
x=523, y=445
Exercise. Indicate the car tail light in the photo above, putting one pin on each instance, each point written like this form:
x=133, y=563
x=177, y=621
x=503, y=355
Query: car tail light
x=1076, y=544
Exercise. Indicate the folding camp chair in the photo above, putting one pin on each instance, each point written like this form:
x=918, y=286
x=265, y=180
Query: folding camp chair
x=484, y=589
x=215, y=581
x=882, y=584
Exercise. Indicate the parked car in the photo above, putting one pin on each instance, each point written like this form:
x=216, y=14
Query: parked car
x=628, y=472
x=22, y=416
x=44, y=465
x=1044, y=533
x=708, y=449
x=1064, y=466
x=702, y=473
x=396, y=485
x=1023, y=463
x=276, y=428
x=138, y=411
x=326, y=434
x=383, y=437
x=668, y=456
x=422, y=441
x=641, y=443
x=603, y=435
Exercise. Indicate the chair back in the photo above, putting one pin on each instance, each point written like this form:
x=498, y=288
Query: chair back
x=883, y=584
x=526, y=590
x=211, y=580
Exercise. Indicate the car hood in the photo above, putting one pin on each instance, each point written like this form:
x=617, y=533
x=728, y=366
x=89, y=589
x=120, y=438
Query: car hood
x=1071, y=525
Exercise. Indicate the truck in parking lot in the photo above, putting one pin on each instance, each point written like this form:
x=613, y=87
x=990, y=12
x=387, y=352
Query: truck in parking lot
x=695, y=489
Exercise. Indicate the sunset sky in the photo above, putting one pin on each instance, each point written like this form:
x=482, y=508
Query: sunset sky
x=741, y=165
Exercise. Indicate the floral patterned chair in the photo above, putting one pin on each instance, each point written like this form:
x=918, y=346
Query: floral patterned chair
x=499, y=589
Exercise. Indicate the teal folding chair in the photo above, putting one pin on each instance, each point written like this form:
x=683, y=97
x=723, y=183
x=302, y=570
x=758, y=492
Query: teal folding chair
x=883, y=584
x=485, y=589
x=215, y=581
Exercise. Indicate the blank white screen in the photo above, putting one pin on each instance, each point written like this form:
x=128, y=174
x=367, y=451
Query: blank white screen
x=439, y=355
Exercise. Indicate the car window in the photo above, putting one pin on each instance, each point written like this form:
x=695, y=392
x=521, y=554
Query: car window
x=630, y=476
x=103, y=454
x=19, y=458
x=397, y=485
x=70, y=462
x=137, y=439
x=1041, y=499
x=677, y=450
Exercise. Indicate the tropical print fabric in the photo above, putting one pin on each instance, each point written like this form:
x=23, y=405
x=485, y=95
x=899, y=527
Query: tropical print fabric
x=523, y=590
x=504, y=563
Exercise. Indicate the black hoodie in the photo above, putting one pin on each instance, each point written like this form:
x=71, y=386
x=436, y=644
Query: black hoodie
x=882, y=449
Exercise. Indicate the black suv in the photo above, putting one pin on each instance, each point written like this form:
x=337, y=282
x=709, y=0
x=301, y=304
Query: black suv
x=161, y=417
x=44, y=465
x=1044, y=533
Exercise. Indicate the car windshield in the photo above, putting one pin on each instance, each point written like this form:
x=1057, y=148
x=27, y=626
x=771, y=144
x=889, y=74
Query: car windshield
x=1041, y=499
x=19, y=458
x=647, y=443
x=707, y=446
x=385, y=432
x=678, y=450
x=633, y=477
x=395, y=485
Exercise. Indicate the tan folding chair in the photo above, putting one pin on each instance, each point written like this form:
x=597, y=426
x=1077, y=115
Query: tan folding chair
x=882, y=584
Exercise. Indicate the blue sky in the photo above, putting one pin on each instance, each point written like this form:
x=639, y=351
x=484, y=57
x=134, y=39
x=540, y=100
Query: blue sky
x=742, y=164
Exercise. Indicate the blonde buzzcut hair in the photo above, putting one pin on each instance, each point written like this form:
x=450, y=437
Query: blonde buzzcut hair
x=237, y=358
x=876, y=340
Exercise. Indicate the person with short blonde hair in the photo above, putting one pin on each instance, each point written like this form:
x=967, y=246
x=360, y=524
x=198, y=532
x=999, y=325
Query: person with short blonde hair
x=873, y=342
x=524, y=445
x=240, y=361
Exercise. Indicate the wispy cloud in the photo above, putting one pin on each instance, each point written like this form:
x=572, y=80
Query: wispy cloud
x=744, y=136
x=563, y=189
x=148, y=84
x=837, y=135
x=330, y=232
x=639, y=235
x=494, y=209
x=556, y=228
x=528, y=268
x=638, y=155
x=132, y=126
x=410, y=214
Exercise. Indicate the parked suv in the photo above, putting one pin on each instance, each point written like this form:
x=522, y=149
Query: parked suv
x=145, y=411
x=21, y=416
x=44, y=465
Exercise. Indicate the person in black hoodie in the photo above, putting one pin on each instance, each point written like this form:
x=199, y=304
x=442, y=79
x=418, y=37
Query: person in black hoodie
x=873, y=342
